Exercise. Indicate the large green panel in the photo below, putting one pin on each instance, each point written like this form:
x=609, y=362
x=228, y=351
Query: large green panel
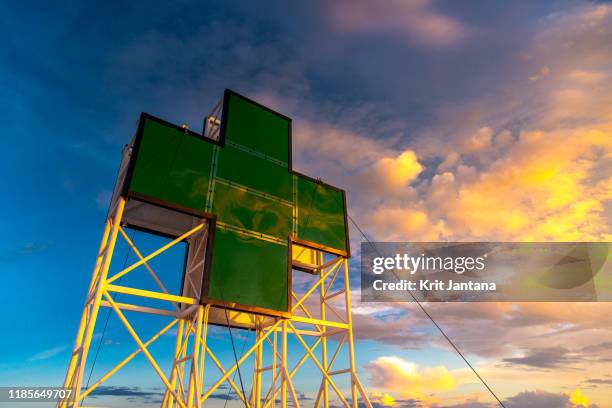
x=249, y=271
x=321, y=216
x=245, y=210
x=258, y=128
x=254, y=172
x=172, y=166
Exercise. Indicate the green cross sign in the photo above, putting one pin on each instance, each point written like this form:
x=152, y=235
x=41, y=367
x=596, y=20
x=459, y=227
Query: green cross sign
x=245, y=185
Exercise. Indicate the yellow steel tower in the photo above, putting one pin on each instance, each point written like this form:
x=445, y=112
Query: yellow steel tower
x=287, y=241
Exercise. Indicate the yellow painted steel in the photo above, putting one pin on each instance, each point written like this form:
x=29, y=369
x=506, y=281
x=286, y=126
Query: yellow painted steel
x=240, y=361
x=139, y=255
x=315, y=285
x=349, y=320
x=258, y=368
x=95, y=306
x=316, y=361
x=306, y=257
x=194, y=380
x=85, y=315
x=203, y=338
x=155, y=253
x=283, y=364
x=184, y=383
x=324, y=385
x=141, y=345
x=302, y=360
x=274, y=361
x=150, y=294
x=320, y=322
x=127, y=359
x=229, y=380
x=167, y=401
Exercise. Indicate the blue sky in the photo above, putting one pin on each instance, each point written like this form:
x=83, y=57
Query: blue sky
x=411, y=101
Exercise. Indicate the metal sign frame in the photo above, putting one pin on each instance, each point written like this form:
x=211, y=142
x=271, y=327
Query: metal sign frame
x=124, y=189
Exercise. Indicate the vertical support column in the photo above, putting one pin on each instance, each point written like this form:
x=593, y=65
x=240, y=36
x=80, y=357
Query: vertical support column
x=182, y=358
x=203, y=349
x=194, y=381
x=324, y=384
x=76, y=350
x=95, y=306
x=349, y=321
x=283, y=366
x=258, y=366
x=274, y=360
x=168, y=397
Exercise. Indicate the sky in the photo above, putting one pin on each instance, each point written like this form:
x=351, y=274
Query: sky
x=443, y=120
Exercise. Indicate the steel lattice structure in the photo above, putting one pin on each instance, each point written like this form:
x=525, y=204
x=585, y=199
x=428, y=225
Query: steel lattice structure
x=318, y=318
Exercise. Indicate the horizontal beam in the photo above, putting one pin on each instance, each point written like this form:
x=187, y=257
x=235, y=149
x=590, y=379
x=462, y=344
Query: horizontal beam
x=142, y=309
x=329, y=323
x=334, y=332
x=346, y=370
x=151, y=295
x=333, y=295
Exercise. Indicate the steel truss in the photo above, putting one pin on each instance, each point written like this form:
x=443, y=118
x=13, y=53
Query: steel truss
x=315, y=321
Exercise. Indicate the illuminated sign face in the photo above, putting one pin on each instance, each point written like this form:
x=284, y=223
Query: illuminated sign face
x=244, y=183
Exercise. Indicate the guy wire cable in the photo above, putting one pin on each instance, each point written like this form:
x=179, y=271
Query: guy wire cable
x=433, y=321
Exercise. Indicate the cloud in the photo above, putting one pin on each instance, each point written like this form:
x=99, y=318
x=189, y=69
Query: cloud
x=543, y=186
x=577, y=398
x=395, y=223
x=479, y=141
x=470, y=403
x=416, y=21
x=543, y=358
x=324, y=149
x=599, y=347
x=230, y=396
x=394, y=173
x=588, y=77
x=543, y=399
x=535, y=337
x=385, y=323
x=123, y=391
x=103, y=199
x=29, y=248
x=131, y=394
x=47, y=354
x=407, y=379
x=540, y=154
x=599, y=381
x=382, y=399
